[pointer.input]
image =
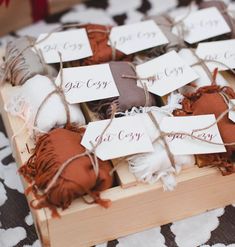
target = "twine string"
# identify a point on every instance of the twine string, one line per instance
(220, 117)
(203, 64)
(34, 43)
(59, 91)
(221, 63)
(143, 84)
(94, 160)
(193, 137)
(179, 25)
(162, 136)
(7, 66)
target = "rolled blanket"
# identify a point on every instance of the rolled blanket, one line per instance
(165, 23)
(28, 98)
(76, 179)
(22, 63)
(156, 165)
(213, 100)
(130, 94)
(98, 36)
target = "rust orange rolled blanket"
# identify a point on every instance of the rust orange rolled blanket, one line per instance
(98, 36)
(213, 100)
(77, 179)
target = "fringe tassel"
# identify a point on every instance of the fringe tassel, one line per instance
(155, 166)
(42, 167)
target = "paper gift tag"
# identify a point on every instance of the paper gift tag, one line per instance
(88, 83)
(125, 136)
(204, 78)
(231, 114)
(222, 51)
(203, 24)
(170, 70)
(181, 144)
(72, 44)
(137, 37)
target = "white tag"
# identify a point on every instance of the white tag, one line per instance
(88, 83)
(181, 144)
(170, 72)
(137, 37)
(125, 136)
(231, 114)
(72, 44)
(222, 51)
(204, 78)
(203, 24)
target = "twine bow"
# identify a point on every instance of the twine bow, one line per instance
(143, 84)
(94, 160)
(219, 118)
(162, 136)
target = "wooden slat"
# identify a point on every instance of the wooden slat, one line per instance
(126, 178)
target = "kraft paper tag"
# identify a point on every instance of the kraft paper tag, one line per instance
(222, 51)
(203, 24)
(231, 114)
(72, 44)
(170, 70)
(181, 144)
(136, 37)
(88, 83)
(125, 136)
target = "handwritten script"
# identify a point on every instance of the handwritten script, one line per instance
(121, 135)
(139, 35)
(202, 135)
(203, 24)
(165, 74)
(66, 46)
(90, 83)
(73, 45)
(124, 136)
(192, 134)
(227, 55)
(211, 23)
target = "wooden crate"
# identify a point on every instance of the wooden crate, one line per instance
(135, 206)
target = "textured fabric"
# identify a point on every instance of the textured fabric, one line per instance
(98, 36)
(77, 178)
(130, 94)
(210, 100)
(156, 165)
(210, 229)
(23, 63)
(25, 102)
(175, 42)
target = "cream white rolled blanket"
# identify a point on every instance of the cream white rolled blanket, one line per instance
(26, 100)
(156, 165)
